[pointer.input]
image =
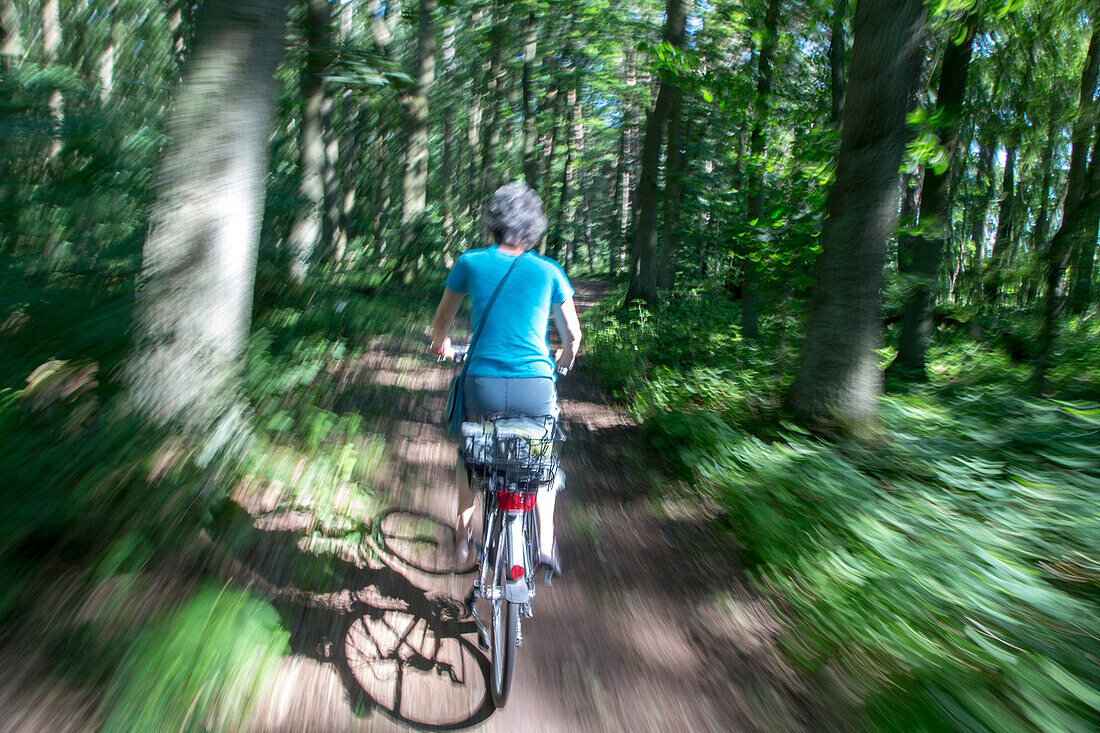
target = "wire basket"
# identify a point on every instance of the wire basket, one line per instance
(524, 452)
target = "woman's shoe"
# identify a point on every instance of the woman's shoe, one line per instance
(549, 565)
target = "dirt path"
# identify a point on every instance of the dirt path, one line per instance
(649, 630)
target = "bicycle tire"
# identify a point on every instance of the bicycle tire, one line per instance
(504, 631)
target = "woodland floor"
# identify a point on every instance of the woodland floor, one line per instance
(632, 638)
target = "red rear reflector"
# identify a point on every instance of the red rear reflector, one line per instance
(517, 572)
(512, 501)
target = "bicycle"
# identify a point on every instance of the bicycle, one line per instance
(509, 460)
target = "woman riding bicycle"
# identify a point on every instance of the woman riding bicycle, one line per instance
(511, 371)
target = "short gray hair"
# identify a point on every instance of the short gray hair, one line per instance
(515, 216)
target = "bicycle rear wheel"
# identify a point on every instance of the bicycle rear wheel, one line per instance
(504, 629)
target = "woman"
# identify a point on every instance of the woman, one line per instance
(511, 370)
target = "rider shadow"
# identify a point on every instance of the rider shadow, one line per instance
(397, 648)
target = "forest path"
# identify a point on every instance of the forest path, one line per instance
(631, 638)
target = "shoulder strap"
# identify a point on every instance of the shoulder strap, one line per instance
(485, 315)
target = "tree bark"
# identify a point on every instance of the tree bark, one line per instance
(926, 248)
(670, 229)
(1084, 250)
(11, 37)
(450, 150)
(11, 51)
(838, 375)
(1080, 294)
(530, 128)
(193, 307)
(306, 234)
(617, 212)
(51, 46)
(643, 245)
(494, 85)
(106, 70)
(750, 315)
(1078, 207)
(414, 182)
(994, 274)
(836, 59)
(1077, 222)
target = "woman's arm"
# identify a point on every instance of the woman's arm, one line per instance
(441, 324)
(569, 329)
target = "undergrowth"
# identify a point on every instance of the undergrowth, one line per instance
(94, 499)
(943, 575)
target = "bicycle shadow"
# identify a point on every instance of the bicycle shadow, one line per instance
(398, 648)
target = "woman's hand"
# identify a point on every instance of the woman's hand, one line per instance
(562, 362)
(445, 350)
(569, 329)
(441, 324)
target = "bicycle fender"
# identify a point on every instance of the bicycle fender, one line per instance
(516, 591)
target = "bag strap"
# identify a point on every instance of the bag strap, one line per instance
(485, 315)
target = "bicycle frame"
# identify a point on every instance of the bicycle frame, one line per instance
(510, 539)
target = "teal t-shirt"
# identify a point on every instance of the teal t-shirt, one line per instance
(514, 341)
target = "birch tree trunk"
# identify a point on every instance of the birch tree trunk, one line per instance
(193, 306)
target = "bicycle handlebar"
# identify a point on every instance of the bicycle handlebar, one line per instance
(460, 351)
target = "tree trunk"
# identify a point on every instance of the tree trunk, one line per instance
(1080, 294)
(1077, 223)
(836, 59)
(586, 218)
(1040, 231)
(347, 176)
(643, 245)
(1082, 197)
(616, 220)
(306, 233)
(106, 70)
(450, 152)
(670, 230)
(530, 128)
(750, 315)
(494, 85)
(562, 233)
(193, 308)
(926, 248)
(11, 37)
(414, 182)
(839, 375)
(628, 156)
(910, 219)
(994, 274)
(51, 46)
(11, 51)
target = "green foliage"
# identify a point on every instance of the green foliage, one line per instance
(949, 574)
(943, 576)
(682, 355)
(199, 668)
